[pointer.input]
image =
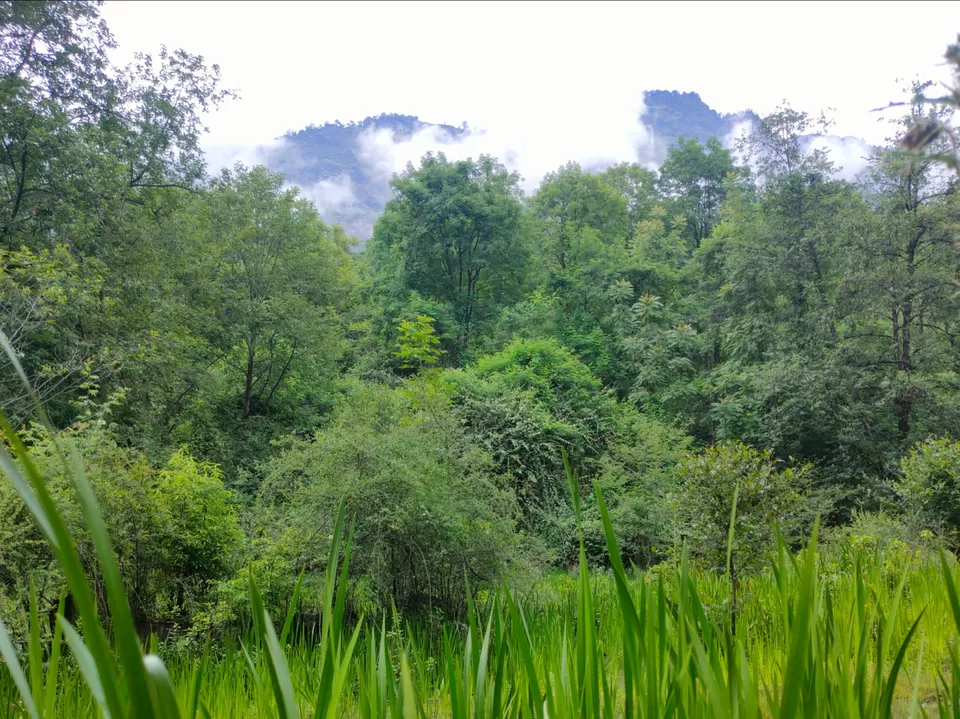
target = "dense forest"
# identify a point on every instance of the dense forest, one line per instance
(728, 350)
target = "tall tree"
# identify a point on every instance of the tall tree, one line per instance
(637, 185)
(907, 267)
(693, 176)
(92, 159)
(570, 203)
(453, 233)
(280, 278)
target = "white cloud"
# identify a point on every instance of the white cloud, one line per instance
(331, 196)
(850, 155)
(740, 130)
(531, 146)
(220, 155)
(548, 86)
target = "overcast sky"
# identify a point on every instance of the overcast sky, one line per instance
(497, 64)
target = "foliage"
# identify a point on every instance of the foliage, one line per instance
(199, 519)
(175, 530)
(496, 386)
(737, 492)
(769, 664)
(528, 404)
(694, 176)
(637, 476)
(418, 345)
(452, 233)
(424, 503)
(930, 487)
(44, 296)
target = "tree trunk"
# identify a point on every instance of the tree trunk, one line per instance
(248, 391)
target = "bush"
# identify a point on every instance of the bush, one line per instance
(636, 475)
(768, 494)
(527, 404)
(425, 506)
(174, 530)
(199, 535)
(882, 540)
(930, 488)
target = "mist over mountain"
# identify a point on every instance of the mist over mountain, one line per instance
(345, 168)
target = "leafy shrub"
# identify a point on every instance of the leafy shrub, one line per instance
(174, 530)
(527, 404)
(636, 476)
(426, 509)
(930, 487)
(199, 528)
(767, 494)
(885, 542)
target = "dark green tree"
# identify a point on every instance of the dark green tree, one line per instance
(693, 176)
(453, 233)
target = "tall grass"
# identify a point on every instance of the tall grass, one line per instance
(806, 641)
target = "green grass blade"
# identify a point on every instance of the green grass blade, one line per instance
(35, 652)
(886, 701)
(53, 665)
(276, 660)
(12, 661)
(166, 706)
(951, 589)
(86, 663)
(291, 610)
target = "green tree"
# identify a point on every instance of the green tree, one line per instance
(572, 207)
(775, 311)
(453, 233)
(906, 266)
(424, 502)
(63, 106)
(45, 297)
(94, 163)
(767, 495)
(199, 538)
(525, 406)
(637, 185)
(280, 275)
(418, 345)
(694, 177)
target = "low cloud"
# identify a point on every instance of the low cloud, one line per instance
(334, 195)
(740, 130)
(221, 156)
(530, 149)
(850, 155)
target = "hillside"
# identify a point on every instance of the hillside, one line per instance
(671, 114)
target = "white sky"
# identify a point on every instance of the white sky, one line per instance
(533, 65)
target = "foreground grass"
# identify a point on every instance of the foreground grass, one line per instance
(439, 657)
(846, 633)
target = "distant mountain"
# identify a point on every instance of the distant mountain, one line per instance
(336, 165)
(328, 164)
(671, 115)
(332, 150)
